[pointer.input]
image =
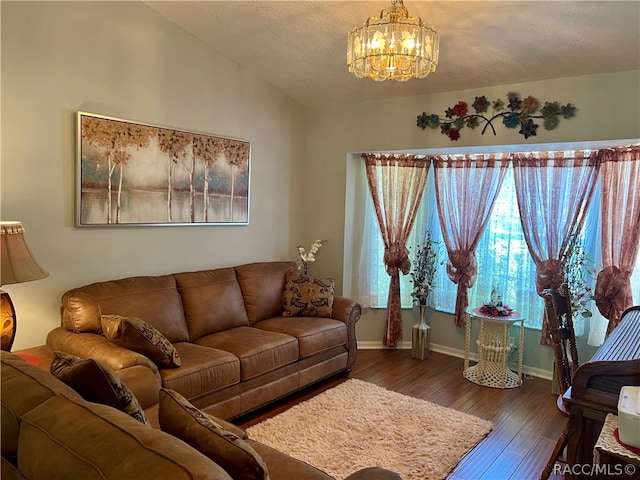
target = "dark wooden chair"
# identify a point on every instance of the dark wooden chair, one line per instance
(563, 340)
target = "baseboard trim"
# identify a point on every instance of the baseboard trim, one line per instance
(454, 352)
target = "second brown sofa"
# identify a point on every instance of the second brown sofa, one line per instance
(237, 351)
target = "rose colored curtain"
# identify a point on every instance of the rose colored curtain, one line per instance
(396, 183)
(466, 190)
(620, 171)
(554, 190)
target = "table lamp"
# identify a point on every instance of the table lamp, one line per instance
(17, 265)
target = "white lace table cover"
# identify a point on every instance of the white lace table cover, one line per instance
(607, 441)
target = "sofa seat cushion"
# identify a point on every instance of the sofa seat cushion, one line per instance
(103, 443)
(314, 334)
(259, 350)
(203, 370)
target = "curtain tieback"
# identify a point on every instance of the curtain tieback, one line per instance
(462, 268)
(396, 259)
(548, 275)
(612, 286)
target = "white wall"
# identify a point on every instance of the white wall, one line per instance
(124, 60)
(607, 106)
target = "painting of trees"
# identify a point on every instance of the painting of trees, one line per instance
(174, 145)
(115, 139)
(207, 150)
(237, 154)
(130, 173)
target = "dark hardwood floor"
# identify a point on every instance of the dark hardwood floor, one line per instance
(525, 419)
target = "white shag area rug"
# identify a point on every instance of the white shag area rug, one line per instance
(358, 424)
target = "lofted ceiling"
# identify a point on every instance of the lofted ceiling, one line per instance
(299, 47)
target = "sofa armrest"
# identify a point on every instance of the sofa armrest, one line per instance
(91, 345)
(138, 373)
(348, 311)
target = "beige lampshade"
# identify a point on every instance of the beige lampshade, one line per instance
(17, 263)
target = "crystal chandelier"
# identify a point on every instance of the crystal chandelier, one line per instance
(393, 46)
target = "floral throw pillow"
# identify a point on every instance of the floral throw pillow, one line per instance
(307, 296)
(96, 383)
(137, 335)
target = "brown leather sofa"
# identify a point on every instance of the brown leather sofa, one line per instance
(237, 351)
(49, 431)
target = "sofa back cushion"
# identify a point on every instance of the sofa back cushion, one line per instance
(89, 441)
(24, 387)
(154, 299)
(262, 287)
(212, 301)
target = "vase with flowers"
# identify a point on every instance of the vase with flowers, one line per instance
(496, 307)
(308, 257)
(424, 269)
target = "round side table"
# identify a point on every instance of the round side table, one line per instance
(494, 347)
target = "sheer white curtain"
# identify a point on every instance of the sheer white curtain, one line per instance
(373, 280)
(593, 245)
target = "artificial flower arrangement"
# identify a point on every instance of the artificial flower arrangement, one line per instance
(495, 307)
(424, 269)
(310, 256)
(516, 112)
(577, 272)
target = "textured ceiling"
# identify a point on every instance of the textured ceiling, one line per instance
(300, 46)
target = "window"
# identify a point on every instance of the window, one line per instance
(503, 262)
(502, 256)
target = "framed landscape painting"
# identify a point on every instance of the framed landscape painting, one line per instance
(135, 174)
